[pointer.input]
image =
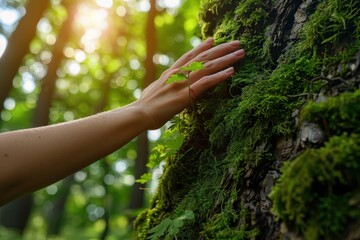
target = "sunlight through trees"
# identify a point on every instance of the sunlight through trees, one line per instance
(85, 57)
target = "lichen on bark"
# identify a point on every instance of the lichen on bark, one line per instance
(272, 153)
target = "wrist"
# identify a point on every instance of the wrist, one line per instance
(144, 113)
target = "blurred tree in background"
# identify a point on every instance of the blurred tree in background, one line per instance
(65, 59)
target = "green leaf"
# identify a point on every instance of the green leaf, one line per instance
(194, 66)
(171, 227)
(169, 143)
(177, 77)
(175, 142)
(144, 178)
(178, 222)
(160, 229)
(187, 215)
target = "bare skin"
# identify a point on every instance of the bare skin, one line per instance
(34, 158)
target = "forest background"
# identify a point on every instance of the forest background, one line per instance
(62, 60)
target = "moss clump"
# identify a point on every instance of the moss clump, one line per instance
(316, 194)
(212, 13)
(336, 115)
(334, 28)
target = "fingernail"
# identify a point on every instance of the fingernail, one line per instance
(230, 70)
(240, 52)
(209, 40)
(235, 43)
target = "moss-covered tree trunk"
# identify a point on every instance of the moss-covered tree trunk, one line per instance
(274, 153)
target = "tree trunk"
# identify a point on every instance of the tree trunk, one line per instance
(55, 217)
(15, 214)
(41, 116)
(275, 151)
(18, 45)
(137, 194)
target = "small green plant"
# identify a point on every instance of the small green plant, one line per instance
(169, 143)
(144, 178)
(177, 77)
(170, 227)
(172, 139)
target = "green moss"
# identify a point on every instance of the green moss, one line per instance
(225, 224)
(336, 115)
(336, 23)
(212, 14)
(314, 193)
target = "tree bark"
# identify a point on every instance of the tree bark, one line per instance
(269, 153)
(137, 194)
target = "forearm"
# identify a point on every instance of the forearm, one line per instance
(33, 158)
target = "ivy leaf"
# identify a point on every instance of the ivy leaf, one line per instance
(144, 178)
(177, 77)
(194, 66)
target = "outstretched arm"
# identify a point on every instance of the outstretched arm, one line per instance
(34, 158)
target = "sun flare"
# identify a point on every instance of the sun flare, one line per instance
(93, 21)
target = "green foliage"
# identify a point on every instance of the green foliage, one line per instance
(177, 77)
(144, 178)
(168, 145)
(193, 67)
(7, 234)
(171, 227)
(314, 193)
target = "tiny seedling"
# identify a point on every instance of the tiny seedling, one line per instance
(177, 77)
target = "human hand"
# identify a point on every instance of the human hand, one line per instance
(161, 101)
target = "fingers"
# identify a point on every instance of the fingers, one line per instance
(187, 57)
(210, 81)
(167, 74)
(216, 52)
(218, 58)
(217, 64)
